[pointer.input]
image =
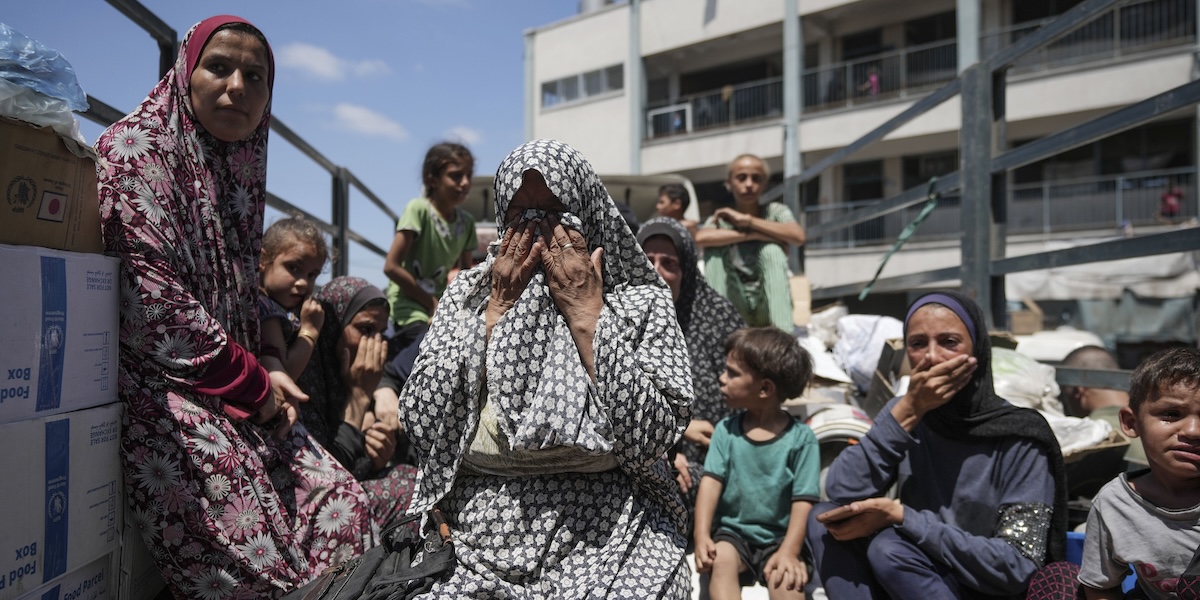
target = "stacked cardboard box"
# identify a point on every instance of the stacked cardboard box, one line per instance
(60, 422)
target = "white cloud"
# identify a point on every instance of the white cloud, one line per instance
(361, 119)
(323, 64)
(368, 68)
(466, 135)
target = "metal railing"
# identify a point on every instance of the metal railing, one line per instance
(880, 77)
(728, 106)
(985, 172)
(342, 179)
(1111, 203)
(1133, 28)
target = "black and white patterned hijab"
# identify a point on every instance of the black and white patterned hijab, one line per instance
(536, 386)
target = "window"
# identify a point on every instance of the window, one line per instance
(593, 83)
(578, 87)
(919, 169)
(928, 30)
(550, 95)
(1024, 11)
(616, 78)
(569, 88)
(863, 181)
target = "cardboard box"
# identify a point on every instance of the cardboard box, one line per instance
(62, 502)
(49, 187)
(1025, 322)
(137, 576)
(94, 581)
(893, 364)
(801, 299)
(58, 332)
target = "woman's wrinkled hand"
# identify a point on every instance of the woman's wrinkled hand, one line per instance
(518, 257)
(682, 476)
(381, 441)
(862, 518)
(573, 274)
(365, 369)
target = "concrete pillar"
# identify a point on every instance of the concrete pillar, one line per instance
(967, 13)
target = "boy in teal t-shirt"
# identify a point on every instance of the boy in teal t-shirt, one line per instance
(762, 472)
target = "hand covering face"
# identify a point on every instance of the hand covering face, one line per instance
(535, 384)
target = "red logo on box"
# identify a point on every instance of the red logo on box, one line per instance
(53, 207)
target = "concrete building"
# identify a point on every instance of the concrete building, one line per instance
(707, 84)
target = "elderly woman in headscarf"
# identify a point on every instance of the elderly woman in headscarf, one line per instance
(552, 383)
(341, 379)
(232, 500)
(706, 319)
(981, 502)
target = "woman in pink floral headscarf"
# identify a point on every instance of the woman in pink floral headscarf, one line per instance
(231, 498)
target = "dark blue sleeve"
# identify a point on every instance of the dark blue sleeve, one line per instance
(994, 565)
(869, 468)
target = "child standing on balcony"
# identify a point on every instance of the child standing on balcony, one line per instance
(433, 236)
(745, 247)
(293, 255)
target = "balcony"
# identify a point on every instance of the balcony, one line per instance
(1108, 203)
(726, 107)
(895, 74)
(1135, 28)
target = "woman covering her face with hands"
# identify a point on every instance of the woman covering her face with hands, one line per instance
(231, 498)
(341, 379)
(553, 380)
(981, 502)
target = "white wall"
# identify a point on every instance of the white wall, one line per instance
(1087, 90)
(1103, 87)
(712, 150)
(597, 40)
(597, 128)
(669, 24)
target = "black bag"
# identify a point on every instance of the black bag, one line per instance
(387, 572)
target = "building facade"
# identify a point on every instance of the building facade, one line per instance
(706, 84)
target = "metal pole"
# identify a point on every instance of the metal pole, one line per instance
(1001, 183)
(1120, 207)
(1196, 112)
(793, 51)
(341, 221)
(1045, 210)
(637, 104)
(975, 153)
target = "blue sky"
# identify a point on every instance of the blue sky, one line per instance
(371, 84)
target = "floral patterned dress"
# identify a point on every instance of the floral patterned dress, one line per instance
(227, 510)
(539, 529)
